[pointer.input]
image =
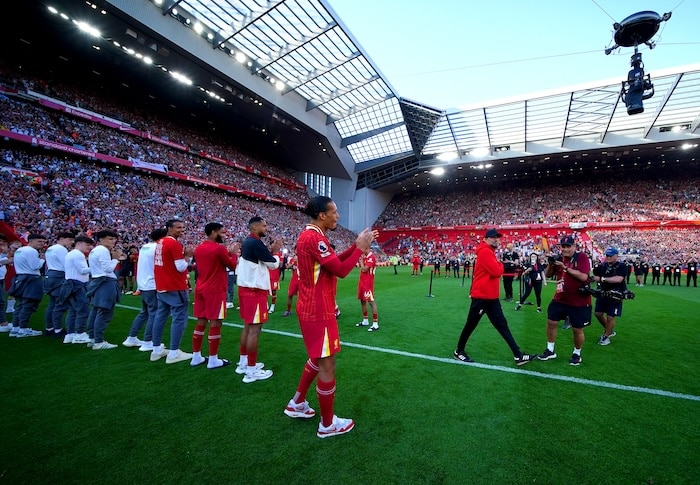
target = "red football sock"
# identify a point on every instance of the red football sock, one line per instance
(326, 395)
(197, 337)
(252, 358)
(214, 340)
(374, 318)
(307, 377)
(364, 315)
(242, 350)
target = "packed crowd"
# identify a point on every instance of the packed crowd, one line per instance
(83, 197)
(138, 115)
(588, 201)
(652, 245)
(29, 119)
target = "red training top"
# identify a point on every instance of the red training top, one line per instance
(487, 273)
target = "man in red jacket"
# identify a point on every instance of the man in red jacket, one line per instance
(485, 294)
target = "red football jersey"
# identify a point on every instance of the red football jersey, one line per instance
(212, 261)
(369, 261)
(168, 278)
(317, 286)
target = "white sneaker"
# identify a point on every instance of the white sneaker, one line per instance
(229, 304)
(81, 338)
(299, 410)
(5, 328)
(68, 339)
(338, 426)
(146, 346)
(28, 332)
(104, 346)
(13, 332)
(91, 343)
(132, 342)
(256, 375)
(243, 368)
(158, 353)
(179, 356)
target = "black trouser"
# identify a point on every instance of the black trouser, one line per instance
(667, 277)
(508, 287)
(691, 276)
(656, 277)
(677, 279)
(537, 286)
(645, 277)
(493, 310)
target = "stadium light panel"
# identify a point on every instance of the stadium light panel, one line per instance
(88, 29)
(52, 10)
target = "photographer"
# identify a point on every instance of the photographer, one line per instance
(534, 278)
(510, 260)
(610, 276)
(571, 270)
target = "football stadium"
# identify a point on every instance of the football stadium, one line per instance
(217, 138)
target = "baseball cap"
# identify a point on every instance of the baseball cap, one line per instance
(567, 241)
(493, 233)
(611, 251)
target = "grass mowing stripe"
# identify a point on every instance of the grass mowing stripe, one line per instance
(577, 380)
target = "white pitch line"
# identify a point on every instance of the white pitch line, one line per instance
(512, 370)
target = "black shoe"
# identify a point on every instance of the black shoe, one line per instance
(461, 356)
(547, 355)
(524, 359)
(575, 359)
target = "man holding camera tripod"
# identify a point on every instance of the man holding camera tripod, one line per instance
(611, 276)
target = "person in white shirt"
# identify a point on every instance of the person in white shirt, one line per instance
(72, 293)
(4, 261)
(103, 289)
(55, 276)
(146, 283)
(27, 287)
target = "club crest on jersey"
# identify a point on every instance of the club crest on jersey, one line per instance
(323, 249)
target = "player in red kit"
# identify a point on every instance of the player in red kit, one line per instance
(275, 283)
(415, 263)
(293, 286)
(319, 267)
(365, 290)
(213, 261)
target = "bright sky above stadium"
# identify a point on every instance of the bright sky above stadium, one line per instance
(452, 53)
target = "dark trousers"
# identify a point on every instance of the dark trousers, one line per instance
(656, 277)
(693, 277)
(508, 287)
(667, 277)
(493, 310)
(537, 286)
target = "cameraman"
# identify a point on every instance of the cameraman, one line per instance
(534, 278)
(610, 276)
(571, 271)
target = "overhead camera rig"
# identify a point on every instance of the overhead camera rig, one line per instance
(638, 28)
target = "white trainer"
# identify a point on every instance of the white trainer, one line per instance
(158, 353)
(257, 375)
(68, 339)
(242, 369)
(178, 356)
(132, 342)
(338, 426)
(28, 332)
(5, 328)
(104, 346)
(146, 346)
(299, 410)
(81, 338)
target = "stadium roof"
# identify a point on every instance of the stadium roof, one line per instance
(297, 60)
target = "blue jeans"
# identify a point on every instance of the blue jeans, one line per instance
(78, 309)
(97, 322)
(3, 304)
(175, 303)
(52, 283)
(231, 290)
(149, 307)
(24, 309)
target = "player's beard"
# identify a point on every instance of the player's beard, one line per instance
(220, 239)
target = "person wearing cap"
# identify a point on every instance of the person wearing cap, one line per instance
(571, 273)
(610, 276)
(485, 294)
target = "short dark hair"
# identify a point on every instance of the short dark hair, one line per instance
(157, 234)
(35, 235)
(317, 205)
(171, 222)
(65, 234)
(84, 239)
(211, 227)
(255, 220)
(105, 233)
(3, 237)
